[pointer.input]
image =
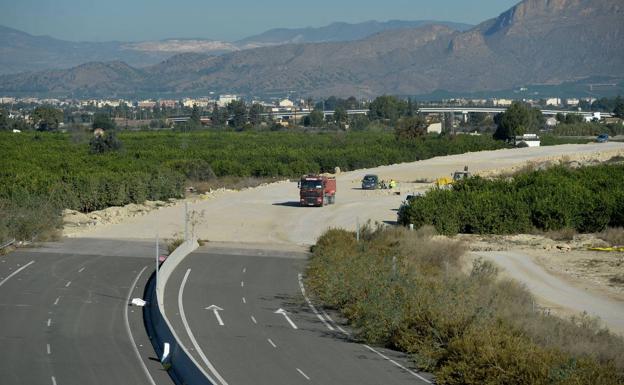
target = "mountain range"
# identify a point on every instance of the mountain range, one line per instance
(535, 42)
(20, 51)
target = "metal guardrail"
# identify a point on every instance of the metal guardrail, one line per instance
(9, 243)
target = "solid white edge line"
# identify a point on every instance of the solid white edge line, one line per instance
(312, 306)
(16, 272)
(190, 332)
(129, 331)
(397, 364)
(331, 321)
(303, 374)
(272, 343)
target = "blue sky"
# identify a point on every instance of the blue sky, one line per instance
(134, 20)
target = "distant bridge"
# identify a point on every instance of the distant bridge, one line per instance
(424, 110)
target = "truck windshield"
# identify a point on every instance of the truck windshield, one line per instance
(311, 184)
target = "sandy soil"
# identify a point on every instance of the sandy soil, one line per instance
(270, 215)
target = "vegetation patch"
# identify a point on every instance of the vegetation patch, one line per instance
(405, 290)
(587, 200)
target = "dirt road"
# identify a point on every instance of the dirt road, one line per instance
(270, 214)
(552, 292)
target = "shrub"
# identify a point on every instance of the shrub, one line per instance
(404, 290)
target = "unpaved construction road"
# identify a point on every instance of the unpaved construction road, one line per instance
(271, 215)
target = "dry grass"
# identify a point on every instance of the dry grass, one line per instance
(173, 244)
(613, 235)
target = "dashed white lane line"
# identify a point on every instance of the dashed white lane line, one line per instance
(81, 270)
(53, 380)
(129, 331)
(198, 349)
(253, 319)
(16, 272)
(244, 270)
(303, 374)
(312, 306)
(48, 349)
(68, 284)
(242, 283)
(244, 300)
(397, 364)
(56, 301)
(49, 322)
(272, 343)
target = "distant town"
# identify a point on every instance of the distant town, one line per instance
(237, 111)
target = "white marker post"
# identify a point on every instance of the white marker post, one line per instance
(216, 309)
(285, 314)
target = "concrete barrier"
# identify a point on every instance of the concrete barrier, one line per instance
(181, 365)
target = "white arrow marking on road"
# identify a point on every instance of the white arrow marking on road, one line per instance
(285, 314)
(216, 309)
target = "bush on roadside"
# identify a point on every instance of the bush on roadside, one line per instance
(406, 290)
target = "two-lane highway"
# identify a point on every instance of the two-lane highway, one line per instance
(65, 319)
(243, 316)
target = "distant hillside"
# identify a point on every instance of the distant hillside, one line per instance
(535, 42)
(337, 32)
(20, 51)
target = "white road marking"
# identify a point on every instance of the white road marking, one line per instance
(253, 319)
(216, 309)
(81, 270)
(49, 321)
(68, 283)
(244, 300)
(190, 332)
(48, 349)
(53, 380)
(56, 301)
(397, 364)
(272, 343)
(312, 306)
(283, 312)
(16, 272)
(242, 284)
(129, 331)
(303, 374)
(244, 270)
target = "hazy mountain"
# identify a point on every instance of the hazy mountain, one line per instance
(20, 51)
(337, 32)
(535, 42)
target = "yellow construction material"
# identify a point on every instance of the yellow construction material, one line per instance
(616, 249)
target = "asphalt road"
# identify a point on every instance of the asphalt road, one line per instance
(64, 317)
(247, 342)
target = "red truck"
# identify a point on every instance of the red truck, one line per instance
(317, 190)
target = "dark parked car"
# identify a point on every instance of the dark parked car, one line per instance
(370, 182)
(602, 138)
